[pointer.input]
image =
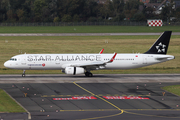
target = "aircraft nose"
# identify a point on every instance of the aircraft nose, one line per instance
(6, 64)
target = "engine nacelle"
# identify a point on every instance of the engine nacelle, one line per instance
(74, 70)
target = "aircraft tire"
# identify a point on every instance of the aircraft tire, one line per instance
(88, 74)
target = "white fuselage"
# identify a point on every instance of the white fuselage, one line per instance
(61, 61)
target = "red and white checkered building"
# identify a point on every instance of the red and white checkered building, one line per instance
(154, 22)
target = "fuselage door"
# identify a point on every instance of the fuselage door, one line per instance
(57, 62)
(144, 60)
(23, 60)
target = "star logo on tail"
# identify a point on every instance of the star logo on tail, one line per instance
(161, 48)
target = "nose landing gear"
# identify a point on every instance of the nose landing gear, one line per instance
(23, 75)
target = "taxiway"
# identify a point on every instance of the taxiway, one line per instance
(97, 78)
(118, 96)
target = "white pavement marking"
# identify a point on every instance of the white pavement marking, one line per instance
(98, 78)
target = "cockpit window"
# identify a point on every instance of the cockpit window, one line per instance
(13, 59)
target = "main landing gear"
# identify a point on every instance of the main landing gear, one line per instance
(23, 75)
(88, 74)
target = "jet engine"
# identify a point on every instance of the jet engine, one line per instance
(74, 70)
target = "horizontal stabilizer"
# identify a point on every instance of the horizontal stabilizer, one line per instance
(167, 57)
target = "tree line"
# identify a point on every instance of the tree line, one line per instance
(80, 11)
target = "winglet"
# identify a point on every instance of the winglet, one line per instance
(112, 59)
(101, 51)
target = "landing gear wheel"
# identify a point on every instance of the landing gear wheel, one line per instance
(88, 74)
(23, 75)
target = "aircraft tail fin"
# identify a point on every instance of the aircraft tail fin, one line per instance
(161, 45)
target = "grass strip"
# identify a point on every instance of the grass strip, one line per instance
(86, 29)
(8, 105)
(175, 89)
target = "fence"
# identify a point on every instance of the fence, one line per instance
(87, 24)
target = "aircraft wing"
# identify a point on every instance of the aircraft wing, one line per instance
(88, 64)
(93, 65)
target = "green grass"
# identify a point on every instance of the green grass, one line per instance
(11, 46)
(145, 70)
(175, 89)
(86, 29)
(8, 105)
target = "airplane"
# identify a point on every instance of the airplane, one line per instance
(74, 64)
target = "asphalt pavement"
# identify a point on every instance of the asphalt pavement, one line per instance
(94, 100)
